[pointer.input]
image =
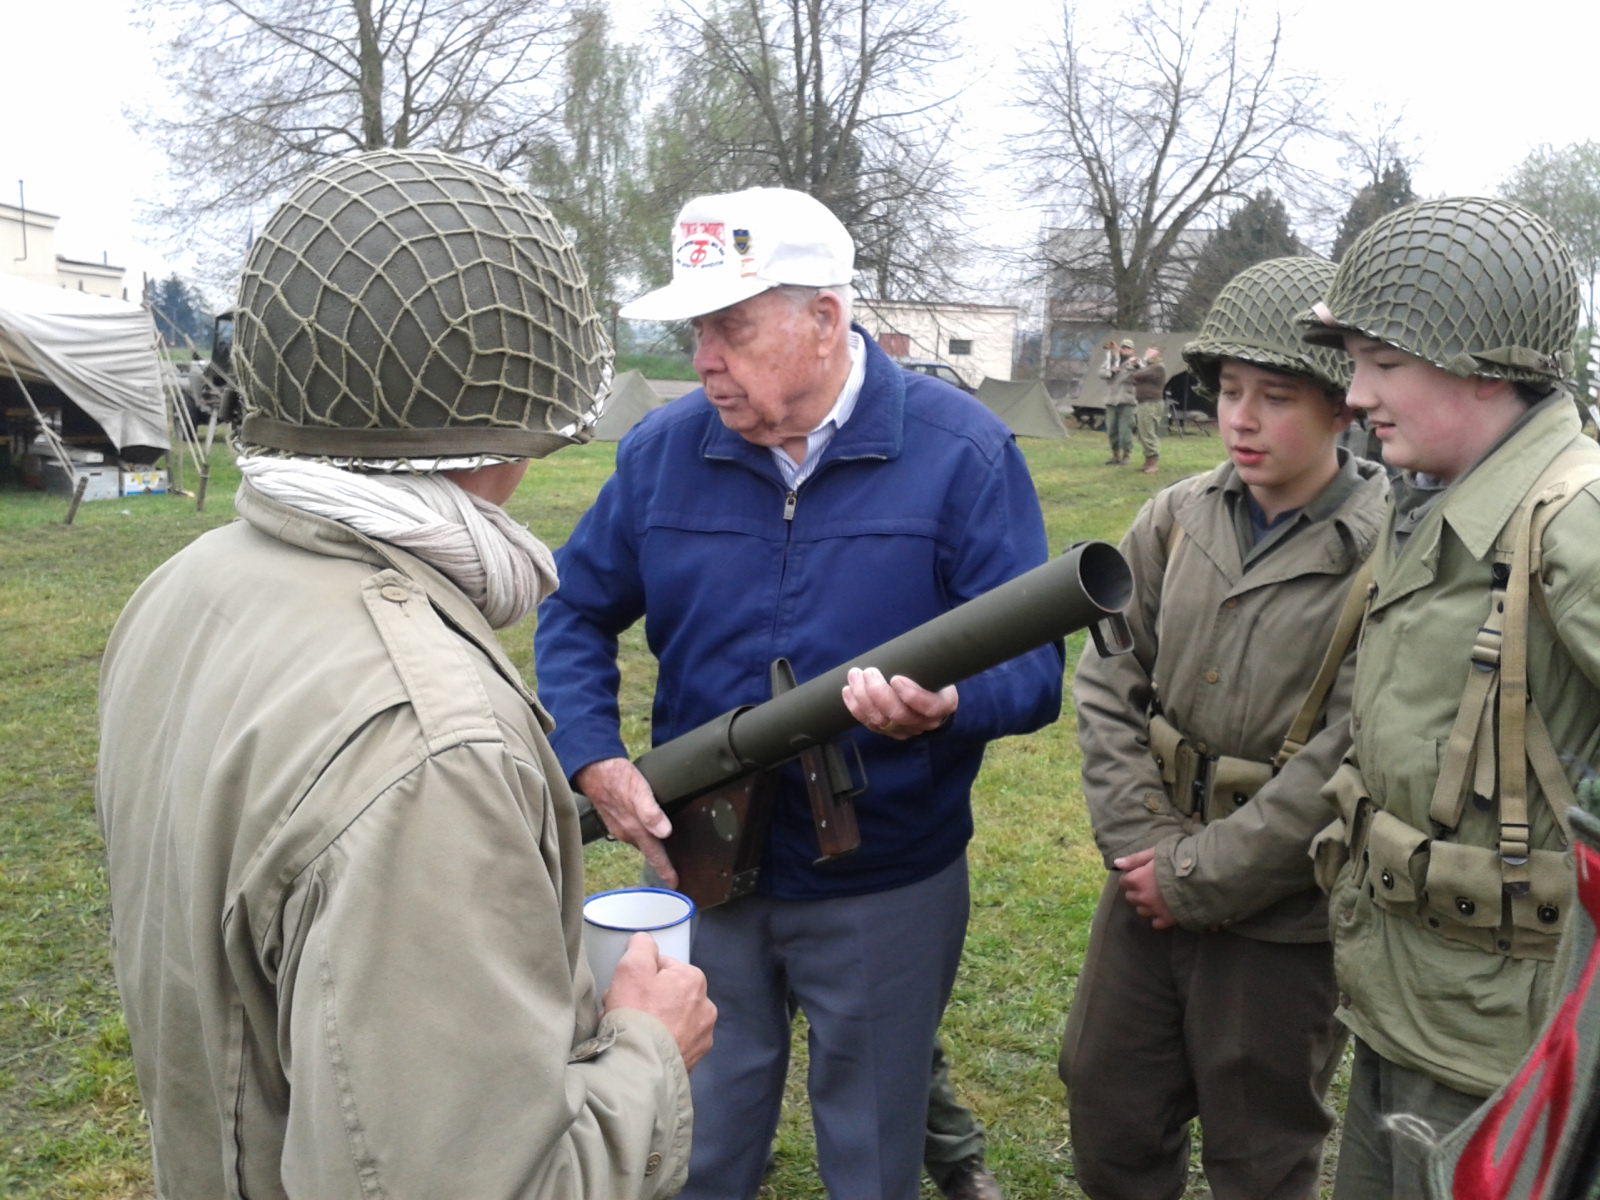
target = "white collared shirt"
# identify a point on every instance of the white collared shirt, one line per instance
(796, 473)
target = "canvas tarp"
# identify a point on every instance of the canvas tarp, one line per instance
(1092, 392)
(630, 397)
(101, 353)
(1024, 405)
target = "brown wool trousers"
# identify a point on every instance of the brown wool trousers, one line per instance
(1169, 1026)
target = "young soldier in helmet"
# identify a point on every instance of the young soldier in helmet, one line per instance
(1478, 681)
(344, 863)
(1207, 989)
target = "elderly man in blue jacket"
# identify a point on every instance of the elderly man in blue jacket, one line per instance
(809, 501)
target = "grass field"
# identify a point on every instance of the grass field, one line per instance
(70, 1119)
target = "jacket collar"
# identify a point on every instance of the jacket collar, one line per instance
(1478, 505)
(1332, 548)
(875, 430)
(318, 535)
(1499, 482)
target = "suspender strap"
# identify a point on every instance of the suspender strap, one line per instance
(1474, 719)
(1498, 733)
(1514, 831)
(1344, 633)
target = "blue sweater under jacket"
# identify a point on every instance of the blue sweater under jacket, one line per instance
(921, 501)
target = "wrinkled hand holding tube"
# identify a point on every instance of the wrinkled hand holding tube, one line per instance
(898, 707)
(629, 809)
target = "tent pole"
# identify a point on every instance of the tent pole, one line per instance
(77, 498)
(205, 465)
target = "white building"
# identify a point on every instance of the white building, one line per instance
(976, 339)
(28, 249)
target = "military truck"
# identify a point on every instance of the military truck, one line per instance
(211, 385)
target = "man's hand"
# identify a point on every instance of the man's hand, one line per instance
(671, 991)
(898, 707)
(624, 801)
(1140, 888)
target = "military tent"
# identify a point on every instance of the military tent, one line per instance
(1025, 407)
(101, 354)
(630, 397)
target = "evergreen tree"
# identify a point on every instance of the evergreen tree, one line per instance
(1254, 232)
(1378, 198)
(180, 313)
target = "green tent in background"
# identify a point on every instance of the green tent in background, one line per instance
(629, 399)
(1025, 407)
(1093, 391)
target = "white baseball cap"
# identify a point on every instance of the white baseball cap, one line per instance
(729, 247)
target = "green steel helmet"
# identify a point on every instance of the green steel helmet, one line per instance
(409, 310)
(1253, 320)
(1473, 285)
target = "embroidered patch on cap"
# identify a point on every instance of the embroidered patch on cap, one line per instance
(701, 244)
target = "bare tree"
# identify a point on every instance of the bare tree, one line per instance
(829, 97)
(267, 89)
(1141, 135)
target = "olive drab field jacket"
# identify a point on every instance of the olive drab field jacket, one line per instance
(346, 882)
(1228, 655)
(1442, 967)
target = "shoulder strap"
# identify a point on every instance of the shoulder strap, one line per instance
(1497, 685)
(1344, 635)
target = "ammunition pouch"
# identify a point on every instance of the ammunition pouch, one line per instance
(1330, 850)
(1456, 891)
(1205, 787)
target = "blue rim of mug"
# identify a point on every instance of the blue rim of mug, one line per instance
(638, 928)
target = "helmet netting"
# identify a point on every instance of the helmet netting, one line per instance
(1253, 320)
(1473, 285)
(412, 305)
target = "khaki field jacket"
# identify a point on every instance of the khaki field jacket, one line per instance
(345, 887)
(1419, 995)
(1229, 655)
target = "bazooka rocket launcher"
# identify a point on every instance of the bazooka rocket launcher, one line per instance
(715, 782)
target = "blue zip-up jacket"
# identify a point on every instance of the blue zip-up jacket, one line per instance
(920, 502)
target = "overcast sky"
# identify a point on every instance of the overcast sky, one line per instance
(1477, 90)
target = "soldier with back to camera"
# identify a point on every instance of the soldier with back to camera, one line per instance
(345, 866)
